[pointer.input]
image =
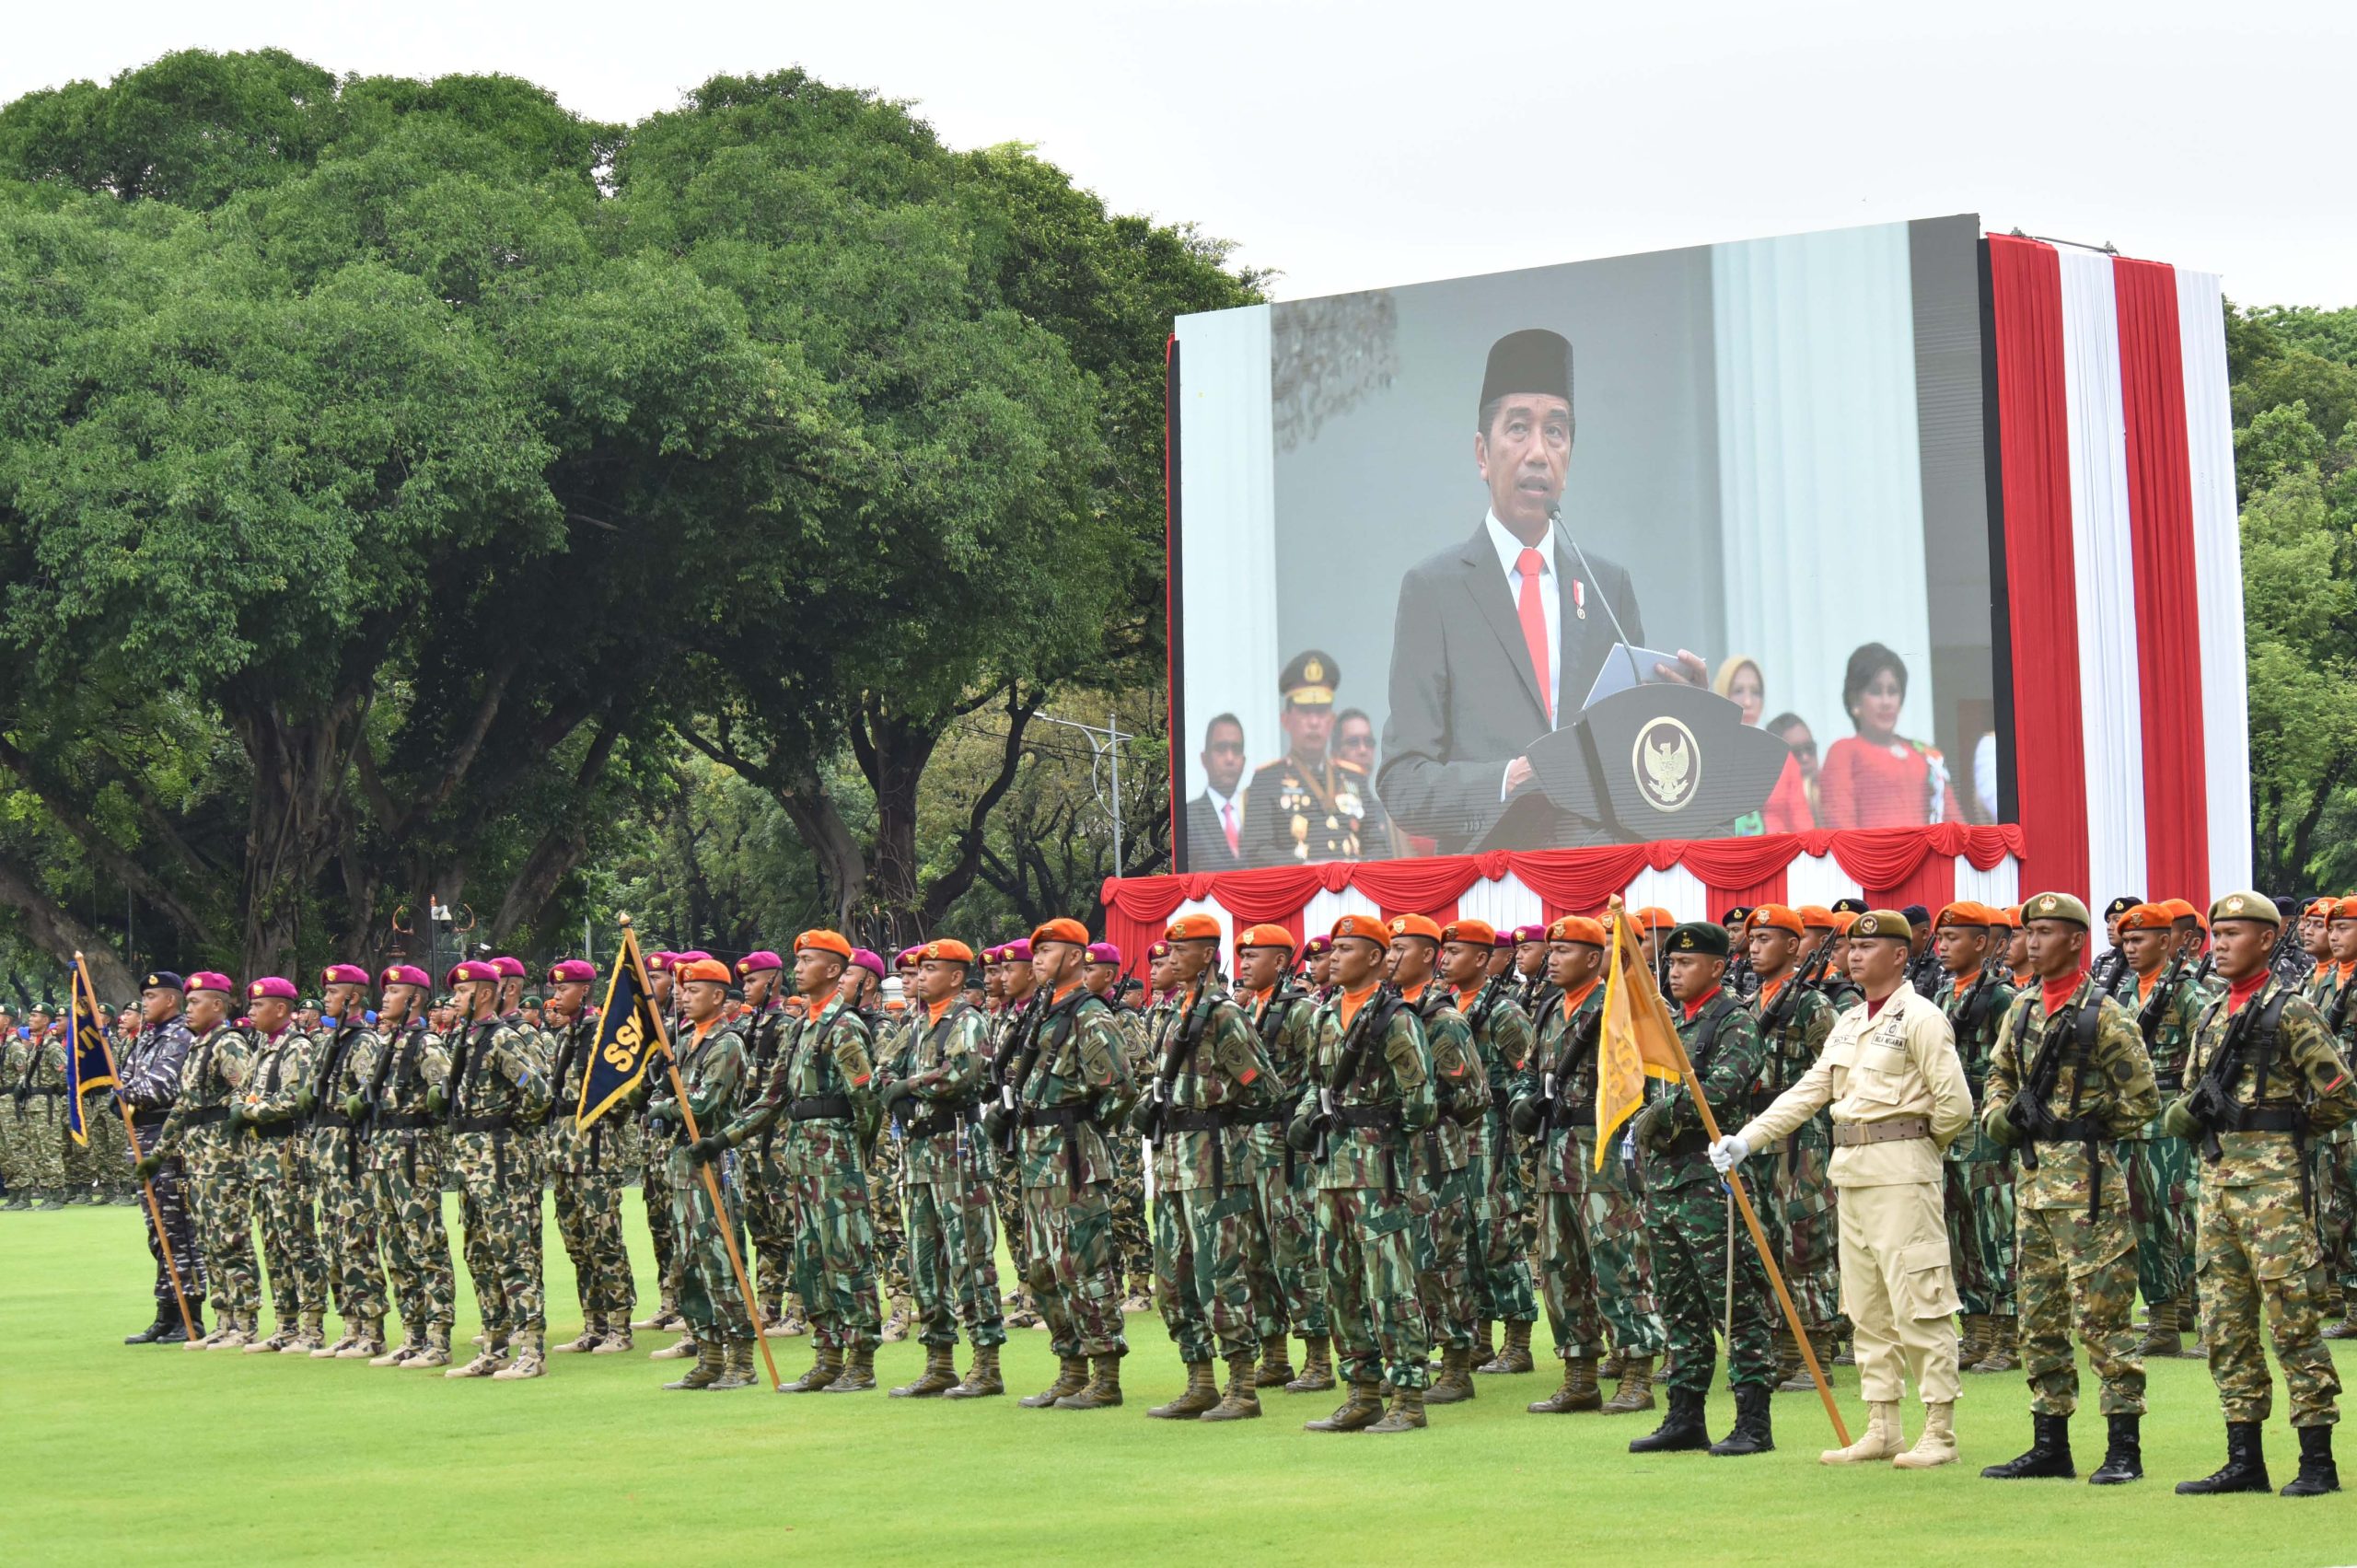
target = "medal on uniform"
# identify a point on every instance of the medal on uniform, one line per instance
(1579, 598)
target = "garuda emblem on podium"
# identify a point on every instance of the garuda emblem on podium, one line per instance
(1668, 764)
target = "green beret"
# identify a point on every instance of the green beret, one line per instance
(1882, 923)
(1701, 937)
(2245, 906)
(2055, 906)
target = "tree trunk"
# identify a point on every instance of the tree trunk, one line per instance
(561, 847)
(294, 824)
(54, 931)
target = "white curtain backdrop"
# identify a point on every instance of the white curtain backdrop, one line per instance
(2106, 574)
(1677, 890)
(1819, 879)
(1227, 532)
(2217, 558)
(1323, 910)
(1999, 887)
(1505, 903)
(1820, 482)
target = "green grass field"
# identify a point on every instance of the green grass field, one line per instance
(136, 1455)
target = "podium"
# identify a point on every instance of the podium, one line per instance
(1662, 761)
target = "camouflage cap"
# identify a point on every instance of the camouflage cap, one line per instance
(2055, 906)
(1701, 937)
(2245, 906)
(1882, 923)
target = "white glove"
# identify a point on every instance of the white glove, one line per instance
(1728, 1153)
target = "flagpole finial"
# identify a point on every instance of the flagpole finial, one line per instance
(78, 955)
(622, 920)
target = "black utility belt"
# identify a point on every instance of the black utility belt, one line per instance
(2256, 1118)
(1382, 1118)
(825, 1107)
(207, 1116)
(1691, 1144)
(1576, 1115)
(273, 1130)
(47, 1094)
(483, 1124)
(1053, 1116)
(2079, 1132)
(2171, 1084)
(941, 1121)
(405, 1121)
(334, 1121)
(1220, 1120)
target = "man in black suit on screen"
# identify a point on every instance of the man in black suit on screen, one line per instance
(1215, 817)
(1499, 638)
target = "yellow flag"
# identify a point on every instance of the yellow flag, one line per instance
(1637, 1041)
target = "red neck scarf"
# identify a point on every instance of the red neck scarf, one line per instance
(2058, 990)
(2241, 991)
(1700, 1003)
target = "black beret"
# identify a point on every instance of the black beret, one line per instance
(1701, 937)
(163, 979)
(1532, 360)
(1849, 906)
(2120, 905)
(1917, 917)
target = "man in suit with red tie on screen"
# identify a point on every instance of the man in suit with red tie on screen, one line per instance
(1499, 638)
(1215, 817)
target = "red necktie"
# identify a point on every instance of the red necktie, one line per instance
(1227, 822)
(1533, 626)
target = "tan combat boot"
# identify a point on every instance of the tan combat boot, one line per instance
(1579, 1392)
(415, 1344)
(1361, 1410)
(530, 1360)
(2004, 1337)
(1455, 1383)
(617, 1338)
(237, 1332)
(678, 1350)
(666, 1313)
(2162, 1338)
(1071, 1376)
(825, 1367)
(773, 1321)
(1317, 1366)
(1276, 1364)
(982, 1380)
(1102, 1391)
(366, 1345)
(1513, 1357)
(1484, 1343)
(592, 1335)
(437, 1351)
(1406, 1414)
(1636, 1391)
(940, 1374)
(858, 1374)
(1202, 1393)
(278, 1338)
(736, 1364)
(341, 1343)
(896, 1325)
(1242, 1401)
(1936, 1447)
(710, 1362)
(1882, 1439)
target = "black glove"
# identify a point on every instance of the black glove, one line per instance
(1524, 1116)
(994, 1123)
(709, 1147)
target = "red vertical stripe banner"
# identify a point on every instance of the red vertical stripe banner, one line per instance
(2168, 602)
(2034, 446)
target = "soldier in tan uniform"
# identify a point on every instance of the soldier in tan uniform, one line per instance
(1889, 1070)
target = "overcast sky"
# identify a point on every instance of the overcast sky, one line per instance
(1363, 143)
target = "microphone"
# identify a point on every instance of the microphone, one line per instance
(1555, 515)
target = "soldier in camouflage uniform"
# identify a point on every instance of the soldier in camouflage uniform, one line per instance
(760, 1180)
(148, 1067)
(2263, 1074)
(39, 1089)
(1318, 967)
(1446, 1190)
(2333, 1156)
(1368, 1096)
(1796, 1210)
(1978, 1198)
(15, 1048)
(1595, 1263)
(931, 1087)
(1065, 1081)
(1209, 1087)
(1131, 1240)
(275, 1110)
(2167, 1000)
(2068, 1078)
(1010, 969)
(1497, 1250)
(350, 1248)
(653, 1185)
(863, 983)
(400, 1065)
(1688, 1207)
(1285, 1019)
(821, 1099)
(198, 1130)
(496, 1087)
(587, 1170)
(710, 1074)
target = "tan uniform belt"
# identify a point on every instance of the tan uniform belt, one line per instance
(1892, 1130)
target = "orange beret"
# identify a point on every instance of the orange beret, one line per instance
(1063, 928)
(834, 942)
(2344, 909)
(1969, 913)
(1265, 936)
(2320, 906)
(947, 947)
(1577, 928)
(1815, 917)
(1361, 926)
(1843, 921)
(1421, 925)
(1778, 917)
(1480, 933)
(2013, 914)
(2145, 917)
(1653, 917)
(703, 969)
(1196, 927)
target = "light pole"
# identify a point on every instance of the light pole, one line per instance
(1104, 744)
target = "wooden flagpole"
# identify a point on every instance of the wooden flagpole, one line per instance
(155, 1213)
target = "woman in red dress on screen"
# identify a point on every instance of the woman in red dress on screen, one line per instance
(1875, 778)
(1787, 810)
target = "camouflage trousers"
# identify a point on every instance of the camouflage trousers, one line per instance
(589, 1221)
(1808, 1235)
(768, 1221)
(225, 1220)
(500, 1202)
(1447, 1214)
(88, 1172)
(40, 1141)
(1596, 1266)
(1691, 1263)
(1976, 1201)
(1135, 1250)
(2078, 1273)
(1498, 1249)
(1366, 1241)
(170, 1186)
(2333, 1171)
(1288, 1203)
(1210, 1251)
(953, 1258)
(408, 1189)
(709, 1298)
(834, 1256)
(883, 1183)
(352, 1248)
(1070, 1267)
(1007, 1196)
(2258, 1251)
(108, 1153)
(2160, 1211)
(278, 1172)
(654, 1194)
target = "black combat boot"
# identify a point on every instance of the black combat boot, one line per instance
(2244, 1469)
(1752, 1433)
(153, 1332)
(2317, 1474)
(176, 1332)
(1681, 1431)
(2123, 1456)
(2050, 1452)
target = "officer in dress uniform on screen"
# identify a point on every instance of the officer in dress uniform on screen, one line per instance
(1307, 805)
